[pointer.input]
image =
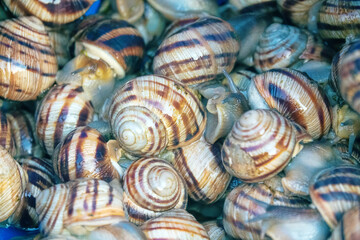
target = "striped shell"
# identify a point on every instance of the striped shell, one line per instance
(250, 6)
(201, 167)
(294, 95)
(348, 228)
(259, 146)
(79, 207)
(27, 60)
(64, 108)
(215, 230)
(13, 180)
(41, 176)
(84, 154)
(152, 186)
(338, 20)
(116, 42)
(197, 52)
(175, 224)
(151, 112)
(58, 12)
(248, 201)
(118, 231)
(334, 191)
(7, 140)
(347, 72)
(297, 11)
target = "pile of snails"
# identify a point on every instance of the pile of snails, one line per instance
(193, 119)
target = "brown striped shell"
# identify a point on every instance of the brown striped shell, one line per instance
(78, 207)
(7, 140)
(201, 167)
(84, 154)
(41, 176)
(334, 191)
(27, 60)
(348, 228)
(58, 12)
(64, 108)
(175, 224)
(118, 231)
(294, 95)
(259, 146)
(151, 187)
(215, 230)
(116, 42)
(197, 52)
(151, 112)
(13, 180)
(249, 201)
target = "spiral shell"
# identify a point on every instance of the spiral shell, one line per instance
(197, 52)
(79, 207)
(297, 11)
(177, 224)
(59, 12)
(13, 181)
(6, 137)
(294, 96)
(152, 186)
(248, 201)
(334, 191)
(348, 228)
(214, 230)
(151, 112)
(200, 165)
(259, 146)
(64, 108)
(84, 154)
(118, 231)
(27, 60)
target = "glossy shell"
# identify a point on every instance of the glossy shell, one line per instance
(348, 228)
(334, 191)
(297, 11)
(292, 94)
(151, 112)
(27, 60)
(84, 154)
(259, 146)
(64, 108)
(152, 186)
(214, 230)
(197, 52)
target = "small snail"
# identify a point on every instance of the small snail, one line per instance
(345, 121)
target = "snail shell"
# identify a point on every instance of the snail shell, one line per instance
(242, 80)
(247, 201)
(118, 231)
(334, 191)
(259, 146)
(152, 186)
(294, 96)
(348, 228)
(78, 207)
(214, 230)
(59, 12)
(13, 180)
(130, 10)
(345, 121)
(151, 112)
(176, 224)
(259, 6)
(200, 165)
(197, 52)
(6, 137)
(84, 154)
(28, 62)
(64, 108)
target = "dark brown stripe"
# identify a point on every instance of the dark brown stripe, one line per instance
(94, 201)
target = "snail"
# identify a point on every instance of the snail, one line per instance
(294, 95)
(177, 224)
(348, 228)
(334, 191)
(118, 231)
(345, 121)
(59, 12)
(130, 11)
(28, 62)
(201, 167)
(7, 140)
(151, 113)
(214, 230)
(84, 153)
(151, 187)
(197, 52)
(78, 207)
(64, 108)
(260, 145)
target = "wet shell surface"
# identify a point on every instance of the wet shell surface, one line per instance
(176, 224)
(294, 95)
(151, 112)
(64, 108)
(28, 63)
(334, 191)
(152, 186)
(197, 52)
